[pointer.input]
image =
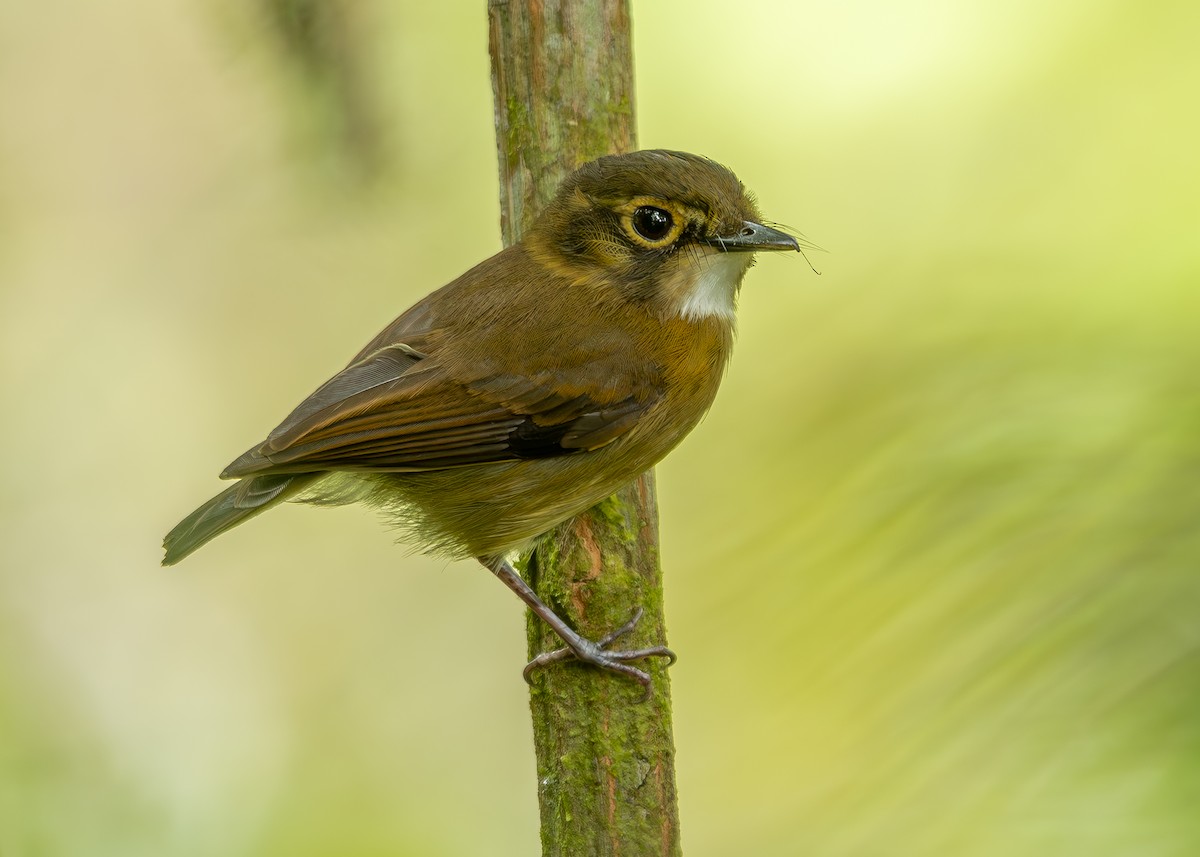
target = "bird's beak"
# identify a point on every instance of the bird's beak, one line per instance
(753, 237)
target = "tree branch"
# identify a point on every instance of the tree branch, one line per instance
(562, 77)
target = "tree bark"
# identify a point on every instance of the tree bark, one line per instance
(562, 77)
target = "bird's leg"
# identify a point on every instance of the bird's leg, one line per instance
(596, 653)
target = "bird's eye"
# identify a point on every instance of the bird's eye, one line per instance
(652, 223)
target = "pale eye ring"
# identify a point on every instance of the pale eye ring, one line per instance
(653, 224)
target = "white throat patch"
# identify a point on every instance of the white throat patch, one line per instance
(714, 291)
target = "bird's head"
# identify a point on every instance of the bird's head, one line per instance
(671, 230)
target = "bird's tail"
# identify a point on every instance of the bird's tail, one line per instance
(235, 504)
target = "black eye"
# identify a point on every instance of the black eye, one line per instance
(652, 223)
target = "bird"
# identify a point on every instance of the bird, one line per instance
(533, 386)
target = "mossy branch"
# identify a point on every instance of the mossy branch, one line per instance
(562, 77)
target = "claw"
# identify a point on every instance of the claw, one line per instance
(597, 654)
(589, 652)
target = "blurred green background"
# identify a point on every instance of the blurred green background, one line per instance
(931, 561)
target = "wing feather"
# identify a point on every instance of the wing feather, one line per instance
(426, 393)
(398, 409)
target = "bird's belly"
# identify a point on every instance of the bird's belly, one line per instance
(495, 509)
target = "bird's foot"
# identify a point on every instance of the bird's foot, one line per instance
(599, 655)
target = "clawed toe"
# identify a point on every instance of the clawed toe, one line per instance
(599, 655)
(579, 648)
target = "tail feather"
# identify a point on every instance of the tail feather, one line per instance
(235, 504)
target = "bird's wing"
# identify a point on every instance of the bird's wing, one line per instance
(398, 409)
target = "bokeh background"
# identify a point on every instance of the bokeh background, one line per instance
(931, 560)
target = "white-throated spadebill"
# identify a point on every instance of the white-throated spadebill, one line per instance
(534, 385)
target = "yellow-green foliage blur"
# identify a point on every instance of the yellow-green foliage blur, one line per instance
(932, 561)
